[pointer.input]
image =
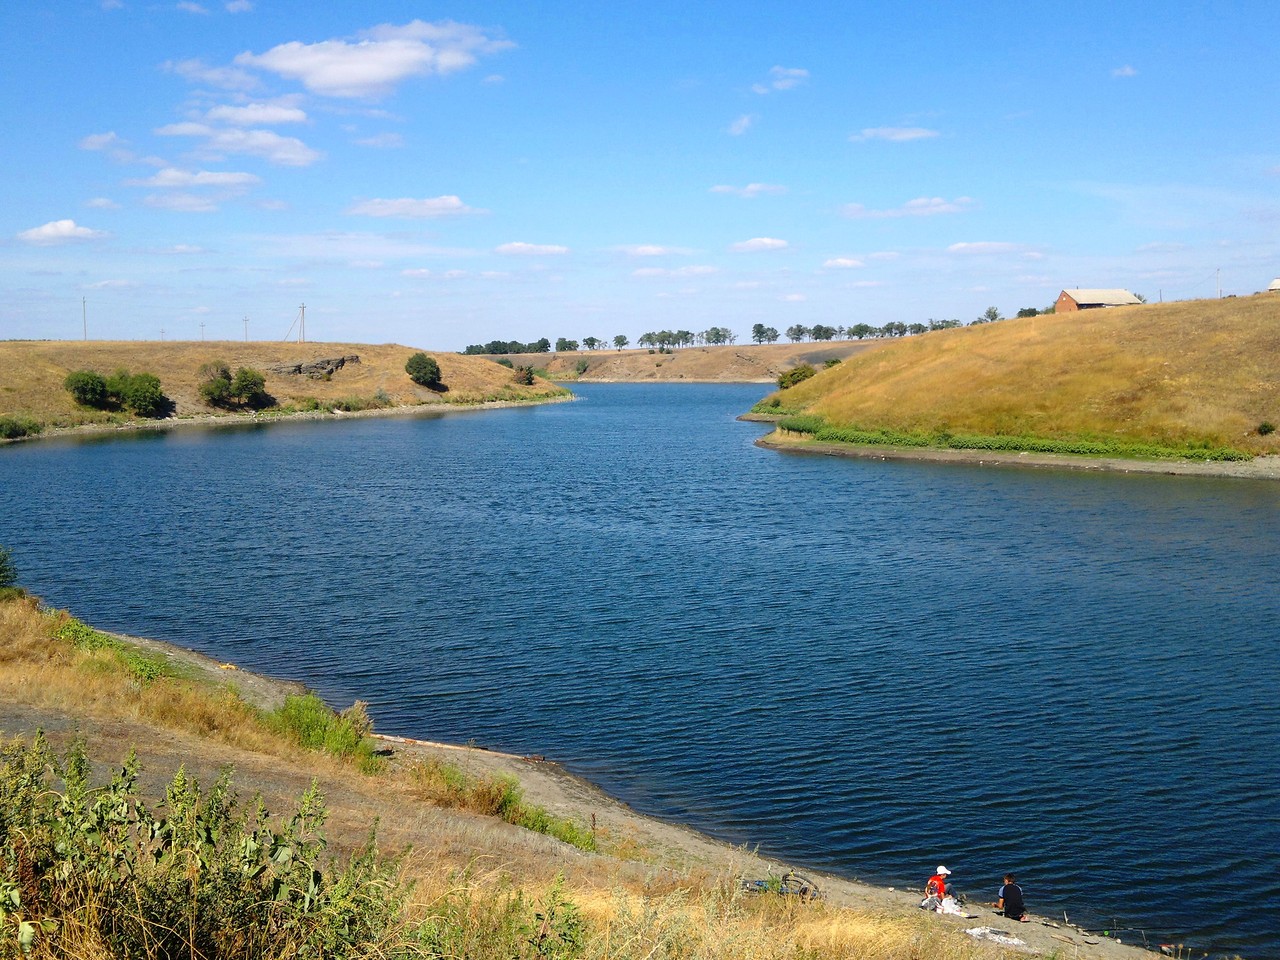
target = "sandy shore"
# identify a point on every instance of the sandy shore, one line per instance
(676, 846)
(1259, 468)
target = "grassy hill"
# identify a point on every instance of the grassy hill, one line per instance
(1180, 376)
(740, 363)
(32, 372)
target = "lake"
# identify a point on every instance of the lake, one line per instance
(864, 667)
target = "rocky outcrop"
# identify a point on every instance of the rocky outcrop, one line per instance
(320, 369)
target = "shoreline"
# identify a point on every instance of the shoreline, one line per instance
(675, 845)
(258, 419)
(1259, 468)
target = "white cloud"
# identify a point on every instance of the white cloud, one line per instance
(257, 114)
(652, 250)
(982, 247)
(238, 6)
(111, 285)
(102, 203)
(698, 270)
(172, 177)
(112, 4)
(418, 273)
(181, 202)
(270, 146)
(741, 125)
(1125, 71)
(793, 298)
(919, 207)
(378, 59)
(759, 243)
(382, 141)
(893, 134)
(410, 209)
(187, 7)
(843, 263)
(59, 231)
(782, 78)
(750, 191)
(185, 249)
(521, 249)
(863, 284)
(99, 141)
(225, 78)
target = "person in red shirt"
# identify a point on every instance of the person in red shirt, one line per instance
(935, 889)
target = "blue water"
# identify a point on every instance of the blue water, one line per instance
(869, 668)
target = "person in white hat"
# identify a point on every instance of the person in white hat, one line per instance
(935, 889)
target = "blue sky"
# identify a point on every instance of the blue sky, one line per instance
(442, 174)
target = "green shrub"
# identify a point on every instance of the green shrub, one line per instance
(248, 388)
(14, 428)
(524, 376)
(87, 388)
(581, 367)
(205, 878)
(1266, 427)
(798, 374)
(8, 570)
(506, 362)
(831, 362)
(142, 666)
(423, 370)
(309, 722)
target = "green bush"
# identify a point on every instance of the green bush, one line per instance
(99, 866)
(308, 721)
(523, 376)
(1266, 427)
(87, 388)
(143, 667)
(581, 367)
(247, 388)
(14, 428)
(423, 370)
(8, 570)
(798, 374)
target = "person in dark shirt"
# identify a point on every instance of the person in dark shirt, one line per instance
(1010, 901)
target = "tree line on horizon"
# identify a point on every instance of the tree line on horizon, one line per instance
(760, 333)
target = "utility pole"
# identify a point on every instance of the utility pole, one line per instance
(84, 316)
(302, 323)
(162, 334)
(202, 331)
(246, 329)
(1218, 275)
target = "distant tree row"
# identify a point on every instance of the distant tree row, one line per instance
(500, 347)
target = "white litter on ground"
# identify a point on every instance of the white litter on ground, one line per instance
(995, 936)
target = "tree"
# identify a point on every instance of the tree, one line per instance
(861, 331)
(591, 342)
(620, 341)
(770, 335)
(566, 346)
(140, 392)
(916, 328)
(822, 332)
(1028, 312)
(8, 572)
(990, 315)
(249, 386)
(423, 370)
(87, 388)
(215, 383)
(797, 332)
(757, 333)
(523, 376)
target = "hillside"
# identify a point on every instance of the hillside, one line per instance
(1186, 375)
(32, 372)
(741, 363)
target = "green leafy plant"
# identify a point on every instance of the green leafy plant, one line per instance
(797, 374)
(1266, 427)
(87, 388)
(423, 370)
(14, 428)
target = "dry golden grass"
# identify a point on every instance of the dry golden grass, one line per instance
(32, 372)
(1171, 373)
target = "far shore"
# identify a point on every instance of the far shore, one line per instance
(1259, 468)
(551, 786)
(243, 419)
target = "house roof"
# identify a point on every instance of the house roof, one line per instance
(1111, 298)
(1275, 284)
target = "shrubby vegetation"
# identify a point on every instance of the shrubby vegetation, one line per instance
(523, 376)
(798, 374)
(423, 370)
(247, 388)
(138, 392)
(14, 428)
(817, 428)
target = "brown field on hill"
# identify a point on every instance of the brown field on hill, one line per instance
(740, 363)
(32, 372)
(1176, 373)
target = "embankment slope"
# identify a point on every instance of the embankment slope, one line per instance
(1176, 374)
(747, 363)
(32, 373)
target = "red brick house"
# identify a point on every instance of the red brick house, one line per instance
(1081, 299)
